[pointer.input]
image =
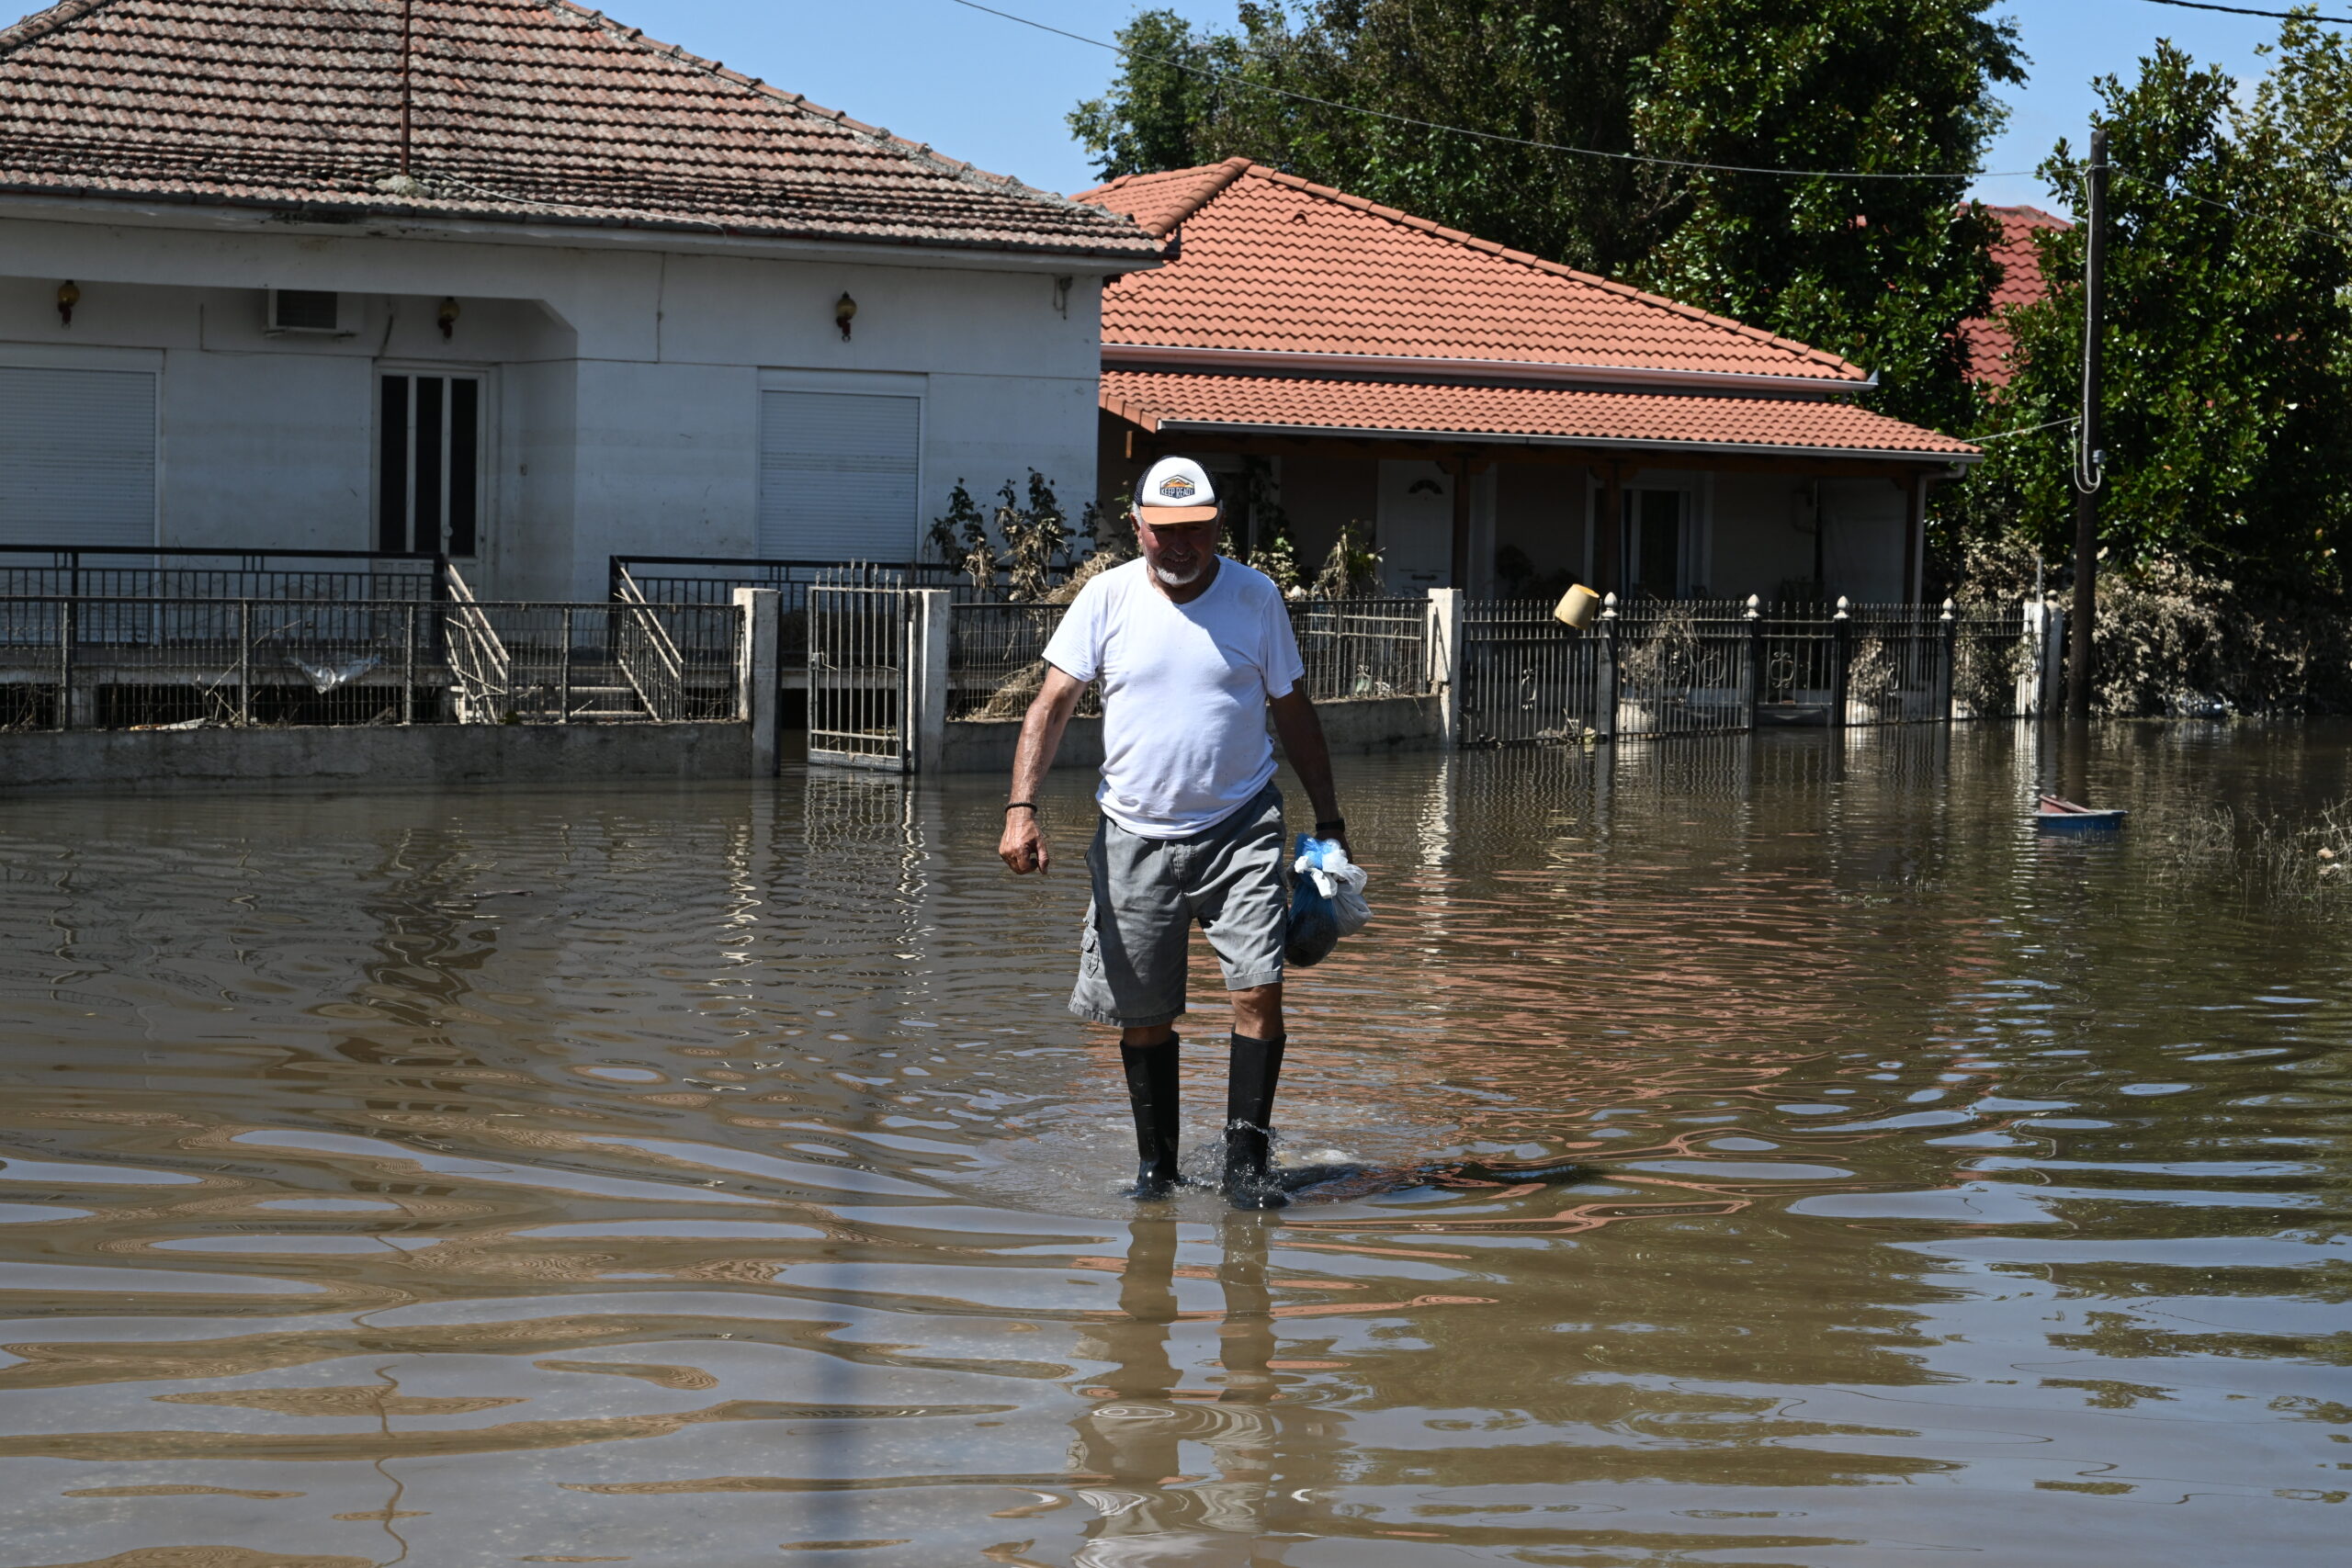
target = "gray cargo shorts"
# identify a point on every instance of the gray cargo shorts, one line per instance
(1149, 893)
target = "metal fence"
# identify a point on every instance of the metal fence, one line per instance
(1362, 648)
(1701, 666)
(125, 661)
(996, 659)
(1525, 678)
(1351, 648)
(712, 580)
(188, 572)
(860, 624)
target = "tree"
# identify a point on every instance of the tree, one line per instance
(1881, 271)
(1562, 71)
(2228, 344)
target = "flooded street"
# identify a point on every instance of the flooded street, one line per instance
(711, 1176)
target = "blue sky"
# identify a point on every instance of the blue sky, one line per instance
(995, 93)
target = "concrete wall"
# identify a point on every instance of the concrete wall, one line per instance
(1354, 726)
(374, 757)
(625, 379)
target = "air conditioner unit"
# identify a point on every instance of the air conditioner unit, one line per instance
(313, 311)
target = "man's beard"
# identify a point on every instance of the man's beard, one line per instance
(1175, 579)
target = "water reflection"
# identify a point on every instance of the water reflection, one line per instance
(696, 1176)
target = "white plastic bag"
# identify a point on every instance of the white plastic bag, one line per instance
(1339, 879)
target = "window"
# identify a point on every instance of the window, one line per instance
(428, 476)
(838, 476)
(1660, 559)
(77, 456)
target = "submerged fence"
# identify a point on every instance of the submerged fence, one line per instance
(150, 661)
(1701, 667)
(1350, 648)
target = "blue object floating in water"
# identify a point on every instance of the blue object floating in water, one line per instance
(2056, 815)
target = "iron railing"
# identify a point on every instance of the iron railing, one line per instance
(185, 571)
(131, 662)
(859, 626)
(1362, 648)
(1701, 667)
(1351, 648)
(996, 659)
(712, 580)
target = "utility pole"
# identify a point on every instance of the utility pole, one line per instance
(2089, 460)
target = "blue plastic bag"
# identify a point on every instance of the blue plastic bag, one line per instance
(1314, 921)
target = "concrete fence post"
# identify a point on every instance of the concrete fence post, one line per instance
(1606, 671)
(757, 697)
(929, 627)
(1948, 656)
(2053, 657)
(1444, 641)
(2027, 697)
(1756, 672)
(1841, 661)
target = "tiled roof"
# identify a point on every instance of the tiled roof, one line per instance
(1264, 260)
(518, 110)
(1986, 339)
(1154, 401)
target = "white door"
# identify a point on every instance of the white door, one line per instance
(838, 476)
(1415, 526)
(77, 456)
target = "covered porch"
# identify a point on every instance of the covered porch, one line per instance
(1514, 491)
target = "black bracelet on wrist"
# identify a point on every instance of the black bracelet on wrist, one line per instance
(1021, 805)
(1331, 829)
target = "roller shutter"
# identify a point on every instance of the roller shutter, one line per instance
(838, 476)
(77, 456)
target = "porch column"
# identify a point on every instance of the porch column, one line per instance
(1459, 466)
(1609, 531)
(1914, 534)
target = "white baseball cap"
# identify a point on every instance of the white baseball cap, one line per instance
(1176, 490)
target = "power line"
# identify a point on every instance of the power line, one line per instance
(1229, 79)
(2247, 11)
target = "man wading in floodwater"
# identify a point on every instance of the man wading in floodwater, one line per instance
(1193, 650)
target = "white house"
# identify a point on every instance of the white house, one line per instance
(507, 279)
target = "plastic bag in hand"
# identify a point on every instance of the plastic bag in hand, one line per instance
(1327, 902)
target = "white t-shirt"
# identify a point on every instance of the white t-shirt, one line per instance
(1184, 691)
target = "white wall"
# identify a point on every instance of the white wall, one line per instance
(626, 380)
(1864, 522)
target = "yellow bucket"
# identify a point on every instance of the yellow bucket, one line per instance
(1579, 607)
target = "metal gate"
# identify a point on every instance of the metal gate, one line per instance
(860, 626)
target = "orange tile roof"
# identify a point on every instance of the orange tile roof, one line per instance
(1986, 339)
(1181, 401)
(536, 110)
(1267, 261)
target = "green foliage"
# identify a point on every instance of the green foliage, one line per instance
(959, 536)
(1879, 271)
(1551, 71)
(1036, 537)
(2228, 339)
(1275, 553)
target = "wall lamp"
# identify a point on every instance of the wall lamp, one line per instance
(448, 317)
(69, 294)
(844, 312)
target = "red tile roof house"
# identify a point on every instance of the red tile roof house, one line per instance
(507, 278)
(1465, 399)
(1986, 339)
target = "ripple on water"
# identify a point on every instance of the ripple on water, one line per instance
(685, 1175)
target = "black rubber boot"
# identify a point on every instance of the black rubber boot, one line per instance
(1151, 1095)
(1250, 1076)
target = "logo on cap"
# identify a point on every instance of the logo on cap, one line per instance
(1177, 487)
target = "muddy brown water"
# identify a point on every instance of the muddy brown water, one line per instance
(710, 1176)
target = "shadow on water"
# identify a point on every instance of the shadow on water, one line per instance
(1770, 1151)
